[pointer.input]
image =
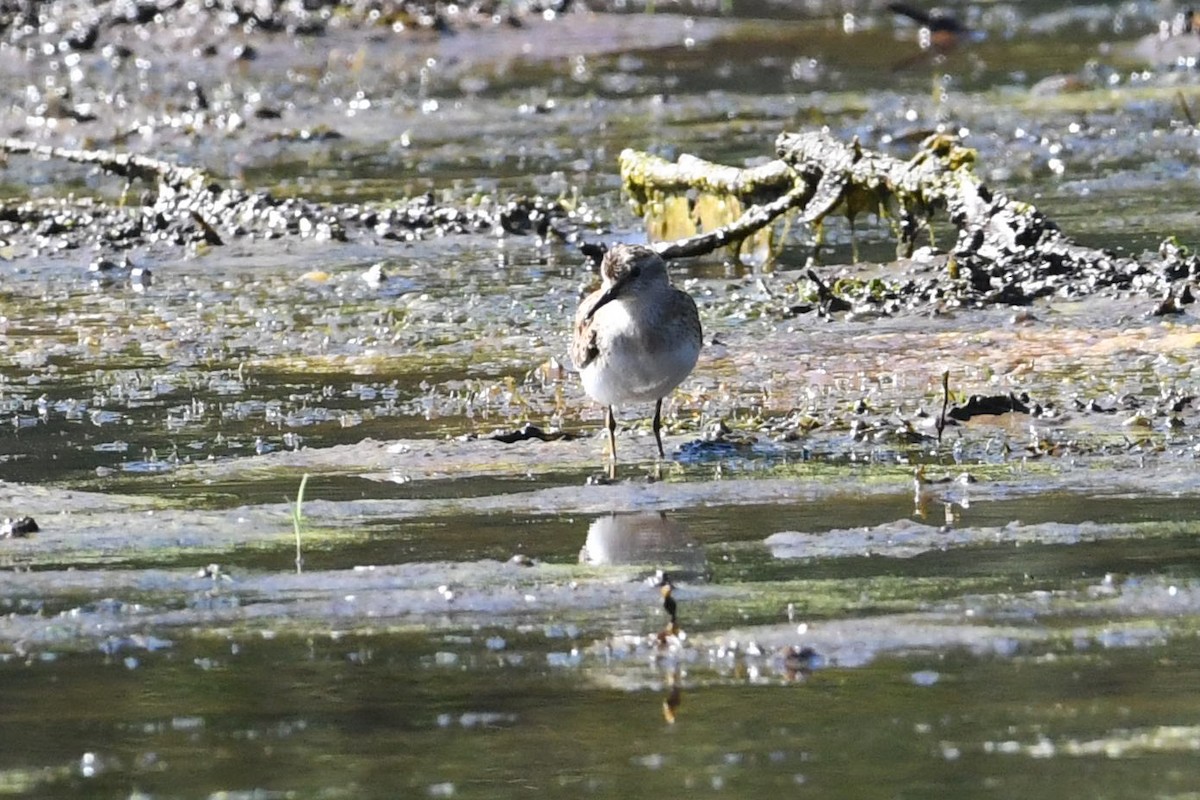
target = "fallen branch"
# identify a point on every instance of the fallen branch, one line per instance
(647, 176)
(750, 222)
(853, 180)
(1006, 251)
(816, 173)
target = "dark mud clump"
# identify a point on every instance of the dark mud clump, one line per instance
(184, 207)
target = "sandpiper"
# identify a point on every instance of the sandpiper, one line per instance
(636, 337)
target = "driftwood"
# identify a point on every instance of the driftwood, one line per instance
(814, 174)
(1006, 251)
(646, 176)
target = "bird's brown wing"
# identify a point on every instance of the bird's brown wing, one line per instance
(584, 349)
(583, 345)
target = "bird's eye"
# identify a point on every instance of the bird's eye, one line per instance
(635, 271)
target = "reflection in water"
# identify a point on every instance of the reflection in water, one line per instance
(642, 539)
(927, 493)
(665, 588)
(650, 538)
(798, 663)
(674, 696)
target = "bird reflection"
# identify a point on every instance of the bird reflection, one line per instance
(642, 538)
(665, 637)
(798, 663)
(667, 589)
(674, 697)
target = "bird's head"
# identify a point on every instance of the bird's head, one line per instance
(626, 266)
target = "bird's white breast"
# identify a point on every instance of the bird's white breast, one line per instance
(641, 358)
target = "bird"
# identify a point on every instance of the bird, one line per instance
(940, 31)
(636, 338)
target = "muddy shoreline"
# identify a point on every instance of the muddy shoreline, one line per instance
(349, 249)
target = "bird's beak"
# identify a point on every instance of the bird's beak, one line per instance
(611, 294)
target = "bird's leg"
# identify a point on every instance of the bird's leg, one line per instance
(610, 422)
(658, 427)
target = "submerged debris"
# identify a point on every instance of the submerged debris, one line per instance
(530, 431)
(993, 404)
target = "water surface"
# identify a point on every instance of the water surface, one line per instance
(1010, 611)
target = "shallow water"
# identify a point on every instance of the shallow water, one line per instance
(1027, 631)
(380, 717)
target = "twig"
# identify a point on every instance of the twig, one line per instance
(298, 522)
(941, 420)
(830, 303)
(753, 219)
(1187, 109)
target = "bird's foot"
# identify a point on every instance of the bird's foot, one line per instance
(607, 478)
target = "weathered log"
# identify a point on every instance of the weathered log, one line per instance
(647, 176)
(852, 180)
(821, 176)
(1006, 251)
(818, 174)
